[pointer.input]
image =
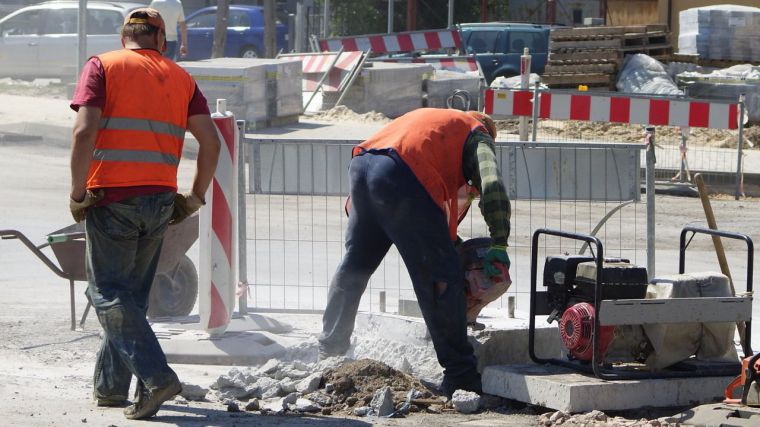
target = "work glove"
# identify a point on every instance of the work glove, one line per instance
(496, 255)
(79, 209)
(185, 205)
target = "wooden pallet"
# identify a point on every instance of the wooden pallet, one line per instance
(574, 80)
(578, 32)
(591, 55)
(581, 69)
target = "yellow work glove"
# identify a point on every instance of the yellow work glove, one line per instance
(79, 209)
(185, 205)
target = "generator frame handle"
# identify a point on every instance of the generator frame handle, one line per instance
(683, 244)
(596, 361)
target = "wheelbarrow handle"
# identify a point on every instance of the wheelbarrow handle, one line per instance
(60, 238)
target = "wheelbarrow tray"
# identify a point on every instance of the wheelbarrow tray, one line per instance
(68, 245)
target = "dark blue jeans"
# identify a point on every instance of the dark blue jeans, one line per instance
(123, 245)
(390, 206)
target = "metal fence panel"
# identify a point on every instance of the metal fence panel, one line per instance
(296, 218)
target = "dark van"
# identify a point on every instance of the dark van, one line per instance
(498, 46)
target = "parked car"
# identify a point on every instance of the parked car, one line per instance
(498, 46)
(245, 33)
(41, 40)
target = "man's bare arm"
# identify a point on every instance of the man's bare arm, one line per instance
(183, 38)
(82, 146)
(204, 131)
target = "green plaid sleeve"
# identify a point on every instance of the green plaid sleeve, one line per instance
(481, 169)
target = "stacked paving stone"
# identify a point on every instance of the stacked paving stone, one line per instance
(263, 92)
(591, 56)
(721, 33)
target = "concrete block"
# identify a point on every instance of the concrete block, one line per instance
(409, 307)
(504, 342)
(567, 390)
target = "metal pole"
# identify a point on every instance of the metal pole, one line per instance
(650, 162)
(242, 242)
(326, 19)
(536, 102)
(300, 27)
(683, 149)
(451, 13)
(738, 191)
(270, 42)
(390, 16)
(81, 37)
(524, 85)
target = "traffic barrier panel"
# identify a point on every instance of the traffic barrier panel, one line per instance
(315, 65)
(657, 111)
(410, 41)
(218, 231)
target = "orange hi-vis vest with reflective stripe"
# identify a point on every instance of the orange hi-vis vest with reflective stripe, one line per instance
(431, 142)
(142, 127)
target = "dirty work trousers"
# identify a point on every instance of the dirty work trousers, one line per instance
(123, 245)
(388, 206)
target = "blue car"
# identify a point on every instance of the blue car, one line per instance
(245, 33)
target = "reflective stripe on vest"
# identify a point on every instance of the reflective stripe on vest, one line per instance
(141, 156)
(155, 126)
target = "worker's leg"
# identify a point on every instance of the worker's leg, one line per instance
(123, 244)
(366, 245)
(419, 230)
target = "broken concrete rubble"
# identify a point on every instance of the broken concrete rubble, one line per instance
(382, 402)
(465, 402)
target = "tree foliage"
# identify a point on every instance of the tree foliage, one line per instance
(351, 17)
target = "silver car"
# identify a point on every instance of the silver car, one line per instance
(41, 40)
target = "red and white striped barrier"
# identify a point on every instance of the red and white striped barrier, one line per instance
(614, 109)
(454, 63)
(410, 41)
(316, 64)
(218, 231)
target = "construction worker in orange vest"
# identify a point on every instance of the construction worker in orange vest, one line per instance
(410, 185)
(133, 106)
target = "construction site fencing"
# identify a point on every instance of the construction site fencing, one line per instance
(691, 135)
(296, 215)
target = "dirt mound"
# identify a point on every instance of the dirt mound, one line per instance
(355, 382)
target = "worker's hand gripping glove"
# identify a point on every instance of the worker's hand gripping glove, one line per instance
(496, 255)
(79, 209)
(185, 205)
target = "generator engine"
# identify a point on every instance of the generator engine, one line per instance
(570, 282)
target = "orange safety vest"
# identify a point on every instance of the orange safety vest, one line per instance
(142, 127)
(431, 142)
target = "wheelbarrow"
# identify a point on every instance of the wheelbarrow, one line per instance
(174, 289)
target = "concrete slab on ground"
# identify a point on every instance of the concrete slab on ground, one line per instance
(503, 342)
(567, 390)
(250, 339)
(721, 415)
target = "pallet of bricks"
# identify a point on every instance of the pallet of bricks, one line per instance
(592, 56)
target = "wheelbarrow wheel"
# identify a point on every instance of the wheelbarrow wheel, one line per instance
(174, 292)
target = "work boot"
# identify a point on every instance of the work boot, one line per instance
(468, 383)
(148, 401)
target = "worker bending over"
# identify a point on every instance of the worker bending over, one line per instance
(410, 185)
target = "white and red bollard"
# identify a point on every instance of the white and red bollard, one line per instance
(218, 264)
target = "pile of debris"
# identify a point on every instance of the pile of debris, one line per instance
(591, 56)
(360, 388)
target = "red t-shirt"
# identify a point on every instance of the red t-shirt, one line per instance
(91, 91)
